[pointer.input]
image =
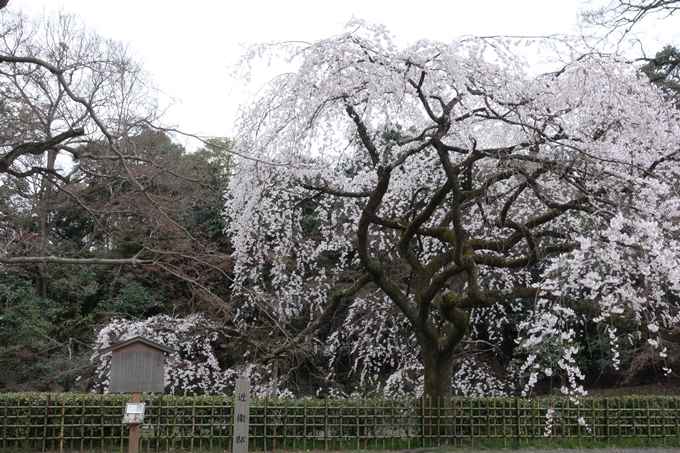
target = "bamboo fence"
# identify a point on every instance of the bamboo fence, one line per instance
(85, 422)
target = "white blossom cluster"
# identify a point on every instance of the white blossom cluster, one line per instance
(192, 369)
(548, 342)
(475, 378)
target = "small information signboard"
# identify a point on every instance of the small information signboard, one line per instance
(134, 413)
(241, 416)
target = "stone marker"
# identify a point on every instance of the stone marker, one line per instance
(241, 416)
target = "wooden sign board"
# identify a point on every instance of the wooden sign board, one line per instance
(137, 365)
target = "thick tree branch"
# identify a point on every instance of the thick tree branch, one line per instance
(335, 300)
(36, 148)
(78, 261)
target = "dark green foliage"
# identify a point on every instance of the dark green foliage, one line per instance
(39, 338)
(664, 71)
(132, 300)
(171, 213)
(215, 163)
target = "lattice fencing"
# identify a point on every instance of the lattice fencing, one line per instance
(82, 422)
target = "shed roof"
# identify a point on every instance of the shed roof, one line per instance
(137, 340)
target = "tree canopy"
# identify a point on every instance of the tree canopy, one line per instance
(418, 198)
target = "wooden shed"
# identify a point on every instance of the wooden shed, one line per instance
(137, 365)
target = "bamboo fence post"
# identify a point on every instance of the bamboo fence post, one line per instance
(408, 422)
(422, 421)
(471, 419)
(649, 426)
(595, 419)
(275, 430)
(47, 411)
(193, 424)
(82, 426)
(439, 420)
(264, 425)
(4, 425)
(61, 429)
(304, 424)
(677, 418)
(552, 422)
(380, 411)
(230, 427)
(532, 411)
(392, 425)
(455, 417)
(664, 404)
(28, 424)
(325, 423)
(634, 418)
(102, 436)
(606, 419)
(158, 424)
(618, 419)
(200, 417)
(92, 424)
(173, 434)
(494, 414)
(290, 412)
(88, 427)
(356, 422)
(503, 423)
(212, 423)
(370, 414)
(122, 430)
(578, 414)
(340, 417)
(375, 423)
(519, 429)
(286, 414)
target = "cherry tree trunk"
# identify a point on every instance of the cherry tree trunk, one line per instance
(437, 390)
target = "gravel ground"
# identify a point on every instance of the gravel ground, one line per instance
(551, 450)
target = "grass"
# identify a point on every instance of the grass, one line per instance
(539, 445)
(546, 444)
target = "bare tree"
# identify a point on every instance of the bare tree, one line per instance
(78, 141)
(623, 15)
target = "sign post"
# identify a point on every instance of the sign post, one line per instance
(134, 416)
(241, 416)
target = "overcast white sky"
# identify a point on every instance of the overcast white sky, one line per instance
(190, 47)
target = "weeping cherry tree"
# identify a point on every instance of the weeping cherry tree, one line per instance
(406, 196)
